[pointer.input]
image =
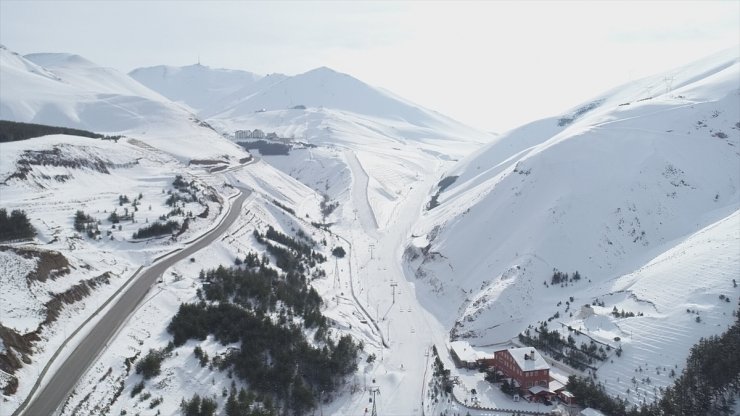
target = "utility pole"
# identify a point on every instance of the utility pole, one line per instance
(372, 246)
(668, 83)
(393, 291)
(336, 272)
(374, 390)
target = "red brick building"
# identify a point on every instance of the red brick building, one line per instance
(524, 365)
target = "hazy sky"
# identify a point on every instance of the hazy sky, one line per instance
(493, 65)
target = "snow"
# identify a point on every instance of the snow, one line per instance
(465, 352)
(196, 86)
(523, 358)
(74, 92)
(636, 189)
(51, 205)
(614, 194)
(18, 305)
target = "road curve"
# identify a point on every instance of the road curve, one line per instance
(69, 373)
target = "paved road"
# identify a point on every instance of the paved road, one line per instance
(64, 380)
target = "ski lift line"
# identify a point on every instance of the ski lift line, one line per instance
(352, 286)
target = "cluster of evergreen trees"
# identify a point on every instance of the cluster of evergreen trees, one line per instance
(198, 407)
(11, 131)
(244, 403)
(327, 206)
(156, 229)
(559, 277)
(150, 365)
(709, 384)
(182, 187)
(15, 226)
(268, 313)
(622, 314)
(180, 184)
(442, 382)
(294, 256)
(564, 350)
(87, 224)
(263, 290)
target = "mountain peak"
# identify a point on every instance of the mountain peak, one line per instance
(323, 70)
(197, 85)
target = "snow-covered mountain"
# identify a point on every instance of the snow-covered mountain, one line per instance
(67, 90)
(324, 113)
(70, 91)
(197, 86)
(637, 190)
(326, 88)
(235, 99)
(619, 189)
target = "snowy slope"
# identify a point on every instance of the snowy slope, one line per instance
(606, 189)
(373, 156)
(196, 86)
(73, 92)
(396, 143)
(67, 90)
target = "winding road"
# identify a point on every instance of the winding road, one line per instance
(56, 391)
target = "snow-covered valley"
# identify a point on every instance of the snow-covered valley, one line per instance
(449, 232)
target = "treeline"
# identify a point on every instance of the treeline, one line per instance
(262, 289)
(87, 224)
(156, 229)
(294, 256)
(267, 312)
(709, 384)
(559, 277)
(267, 148)
(198, 407)
(11, 131)
(15, 226)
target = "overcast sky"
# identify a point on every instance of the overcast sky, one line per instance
(493, 65)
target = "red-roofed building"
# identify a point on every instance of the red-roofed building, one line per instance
(525, 365)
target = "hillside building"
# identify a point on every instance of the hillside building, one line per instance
(466, 356)
(525, 366)
(243, 134)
